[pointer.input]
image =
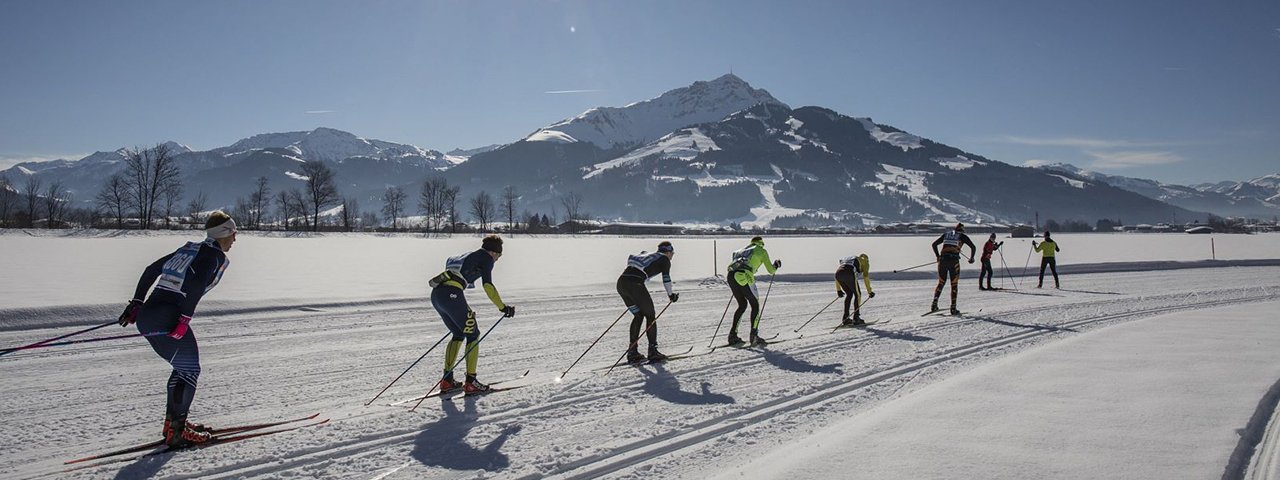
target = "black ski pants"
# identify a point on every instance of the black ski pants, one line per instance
(1052, 263)
(948, 267)
(848, 279)
(640, 304)
(155, 321)
(745, 295)
(986, 272)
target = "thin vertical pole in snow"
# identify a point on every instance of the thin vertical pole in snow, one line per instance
(1213, 250)
(715, 260)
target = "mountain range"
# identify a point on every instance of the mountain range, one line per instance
(716, 151)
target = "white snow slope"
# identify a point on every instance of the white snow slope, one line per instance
(691, 418)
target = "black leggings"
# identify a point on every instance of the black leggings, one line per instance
(1052, 263)
(745, 295)
(948, 267)
(848, 280)
(986, 272)
(638, 301)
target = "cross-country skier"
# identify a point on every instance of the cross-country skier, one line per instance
(949, 263)
(446, 296)
(1050, 249)
(987, 249)
(185, 276)
(631, 286)
(847, 286)
(742, 282)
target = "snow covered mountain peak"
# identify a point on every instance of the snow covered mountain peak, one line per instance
(642, 122)
(329, 144)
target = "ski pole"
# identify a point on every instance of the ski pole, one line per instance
(637, 342)
(1007, 273)
(470, 347)
(917, 266)
(91, 340)
(1028, 262)
(593, 344)
(414, 364)
(54, 339)
(722, 316)
(833, 301)
(755, 324)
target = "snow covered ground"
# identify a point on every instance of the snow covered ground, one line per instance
(692, 418)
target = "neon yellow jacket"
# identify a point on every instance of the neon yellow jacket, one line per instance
(747, 260)
(1048, 247)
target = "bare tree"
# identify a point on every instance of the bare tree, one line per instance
(350, 213)
(52, 203)
(8, 196)
(450, 204)
(171, 196)
(298, 204)
(149, 173)
(284, 208)
(432, 200)
(509, 197)
(196, 208)
(260, 199)
(33, 198)
(572, 203)
(243, 208)
(321, 191)
(483, 209)
(113, 199)
(393, 205)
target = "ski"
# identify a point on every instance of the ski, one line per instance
(215, 432)
(481, 394)
(217, 440)
(451, 393)
(624, 361)
(861, 325)
(930, 312)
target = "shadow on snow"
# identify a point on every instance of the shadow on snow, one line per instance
(662, 384)
(444, 442)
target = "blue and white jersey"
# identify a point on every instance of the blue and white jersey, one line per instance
(185, 275)
(951, 238)
(643, 266)
(851, 262)
(463, 270)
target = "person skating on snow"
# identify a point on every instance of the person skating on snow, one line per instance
(742, 282)
(631, 286)
(164, 318)
(1050, 249)
(987, 249)
(847, 286)
(949, 263)
(449, 301)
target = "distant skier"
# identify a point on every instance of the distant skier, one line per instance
(185, 276)
(1050, 249)
(949, 263)
(742, 282)
(847, 286)
(631, 286)
(987, 249)
(447, 297)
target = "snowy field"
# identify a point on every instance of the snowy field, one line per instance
(307, 325)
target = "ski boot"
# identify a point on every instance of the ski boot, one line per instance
(474, 387)
(954, 310)
(847, 322)
(933, 307)
(734, 339)
(634, 356)
(168, 427)
(756, 339)
(857, 321)
(182, 435)
(655, 356)
(448, 384)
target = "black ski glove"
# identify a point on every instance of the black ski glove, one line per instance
(970, 259)
(675, 297)
(509, 311)
(871, 295)
(777, 264)
(130, 312)
(839, 293)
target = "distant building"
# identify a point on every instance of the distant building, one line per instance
(641, 229)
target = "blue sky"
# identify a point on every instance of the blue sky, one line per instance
(1178, 91)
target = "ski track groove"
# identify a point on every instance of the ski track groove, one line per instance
(737, 420)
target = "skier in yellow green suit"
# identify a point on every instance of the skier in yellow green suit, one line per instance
(1050, 250)
(742, 282)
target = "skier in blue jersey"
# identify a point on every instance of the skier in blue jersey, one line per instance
(446, 296)
(631, 286)
(184, 277)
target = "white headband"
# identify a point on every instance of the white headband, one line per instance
(222, 231)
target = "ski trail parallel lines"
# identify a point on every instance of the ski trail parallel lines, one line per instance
(650, 448)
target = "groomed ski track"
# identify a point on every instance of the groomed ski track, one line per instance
(678, 420)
